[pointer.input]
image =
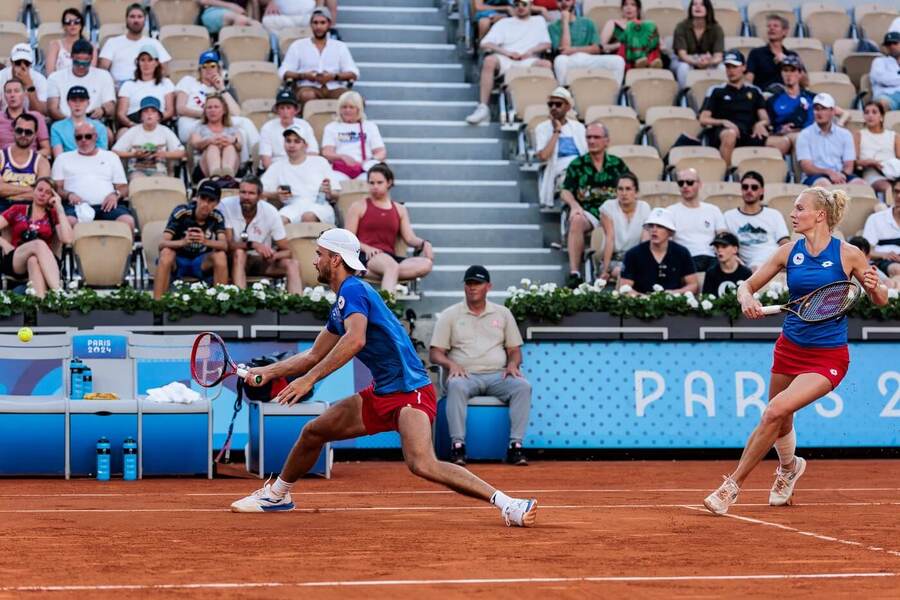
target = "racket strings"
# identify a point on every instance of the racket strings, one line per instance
(829, 302)
(209, 361)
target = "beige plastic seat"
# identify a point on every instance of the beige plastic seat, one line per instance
(593, 87)
(601, 11)
(11, 33)
(848, 60)
(855, 120)
(302, 238)
(181, 68)
(729, 17)
(810, 50)
(650, 87)
(102, 249)
(254, 79)
(47, 33)
(781, 197)
(109, 30)
(151, 236)
(836, 84)
(724, 194)
(176, 12)
(668, 122)
(744, 43)
(258, 110)
(351, 191)
(621, 121)
(875, 19)
(319, 113)
(758, 10)
(643, 161)
(154, 198)
(534, 116)
(289, 35)
(244, 43)
(665, 13)
(768, 162)
(400, 249)
(659, 193)
(11, 10)
(862, 204)
(892, 120)
(184, 42)
(52, 10)
(529, 86)
(110, 11)
(706, 160)
(698, 83)
(825, 21)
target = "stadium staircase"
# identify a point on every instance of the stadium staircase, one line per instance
(463, 192)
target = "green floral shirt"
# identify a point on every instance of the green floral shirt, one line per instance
(591, 187)
(582, 30)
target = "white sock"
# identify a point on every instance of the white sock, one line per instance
(281, 487)
(500, 500)
(785, 446)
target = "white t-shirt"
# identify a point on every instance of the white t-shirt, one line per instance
(136, 91)
(295, 7)
(271, 138)
(758, 234)
(695, 228)
(197, 93)
(123, 52)
(90, 177)
(137, 136)
(518, 35)
(40, 85)
(882, 226)
(627, 233)
(345, 138)
(99, 84)
(265, 228)
(305, 180)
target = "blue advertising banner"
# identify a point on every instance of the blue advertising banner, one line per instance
(99, 345)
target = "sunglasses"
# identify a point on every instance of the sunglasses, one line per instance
(21, 63)
(23, 131)
(81, 63)
(750, 186)
(555, 104)
(80, 137)
(72, 22)
(685, 182)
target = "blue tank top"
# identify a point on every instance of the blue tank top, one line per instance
(806, 273)
(388, 353)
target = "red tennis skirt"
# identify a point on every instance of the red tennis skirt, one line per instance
(791, 359)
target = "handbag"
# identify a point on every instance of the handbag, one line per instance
(890, 168)
(353, 171)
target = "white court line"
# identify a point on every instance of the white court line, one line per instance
(818, 536)
(422, 582)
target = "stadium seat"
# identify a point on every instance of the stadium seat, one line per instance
(351, 191)
(862, 204)
(665, 13)
(180, 68)
(811, 52)
(724, 194)
(847, 60)
(825, 21)
(109, 12)
(706, 160)
(50, 11)
(184, 42)
(244, 43)
(650, 87)
(11, 10)
(151, 235)
(11, 33)
(534, 115)
(592, 87)
(529, 86)
(176, 12)
(836, 84)
(154, 198)
(302, 238)
(892, 120)
(666, 123)
(659, 193)
(621, 122)
(743, 43)
(319, 113)
(593, 253)
(729, 17)
(102, 249)
(873, 20)
(289, 35)
(768, 162)
(46, 34)
(855, 120)
(865, 86)
(781, 196)
(109, 30)
(643, 161)
(758, 10)
(254, 79)
(601, 11)
(258, 110)
(698, 83)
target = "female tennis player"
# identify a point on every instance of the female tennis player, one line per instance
(401, 397)
(811, 359)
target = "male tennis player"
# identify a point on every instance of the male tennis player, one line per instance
(811, 359)
(401, 398)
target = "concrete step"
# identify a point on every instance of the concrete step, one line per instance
(488, 212)
(423, 191)
(417, 90)
(434, 128)
(409, 34)
(404, 52)
(450, 148)
(374, 70)
(498, 256)
(440, 110)
(391, 15)
(449, 277)
(455, 169)
(478, 234)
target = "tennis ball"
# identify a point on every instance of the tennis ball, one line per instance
(25, 334)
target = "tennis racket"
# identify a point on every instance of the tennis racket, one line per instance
(828, 302)
(210, 362)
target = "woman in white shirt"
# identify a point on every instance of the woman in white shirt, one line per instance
(623, 223)
(148, 81)
(59, 54)
(352, 144)
(876, 146)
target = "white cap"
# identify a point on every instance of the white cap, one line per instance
(22, 51)
(663, 217)
(824, 99)
(343, 242)
(563, 94)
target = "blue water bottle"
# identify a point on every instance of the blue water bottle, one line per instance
(76, 379)
(129, 459)
(87, 381)
(103, 449)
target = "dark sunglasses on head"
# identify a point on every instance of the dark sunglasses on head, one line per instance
(23, 131)
(555, 104)
(684, 182)
(72, 22)
(83, 136)
(750, 186)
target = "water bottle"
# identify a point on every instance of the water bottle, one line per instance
(87, 381)
(321, 198)
(103, 459)
(76, 379)
(129, 459)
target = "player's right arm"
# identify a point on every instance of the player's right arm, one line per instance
(299, 364)
(752, 307)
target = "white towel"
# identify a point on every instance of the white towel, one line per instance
(175, 392)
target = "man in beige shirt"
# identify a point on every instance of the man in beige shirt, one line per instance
(478, 344)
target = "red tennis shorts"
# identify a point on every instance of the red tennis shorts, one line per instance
(791, 359)
(380, 413)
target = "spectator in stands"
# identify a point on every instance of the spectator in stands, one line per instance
(699, 41)
(303, 183)
(222, 13)
(20, 164)
(257, 241)
(659, 261)
(862, 243)
(882, 230)
(352, 143)
(696, 223)
(120, 52)
(518, 41)
(149, 147)
(590, 181)
(884, 74)
(62, 133)
(284, 14)
(379, 222)
(479, 346)
(825, 150)
(93, 178)
(59, 55)
(34, 84)
(217, 140)
(35, 229)
(148, 82)
(764, 63)
(98, 83)
(319, 66)
(488, 12)
(576, 43)
(759, 229)
(194, 243)
(559, 140)
(15, 100)
(791, 109)
(623, 223)
(728, 272)
(634, 40)
(271, 134)
(735, 111)
(877, 149)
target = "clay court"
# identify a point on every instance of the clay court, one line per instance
(604, 529)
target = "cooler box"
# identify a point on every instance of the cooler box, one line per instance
(274, 428)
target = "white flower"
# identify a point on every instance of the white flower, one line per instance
(776, 286)
(578, 291)
(260, 295)
(706, 305)
(177, 283)
(525, 282)
(211, 292)
(615, 293)
(689, 294)
(599, 283)
(757, 295)
(198, 285)
(330, 296)
(223, 296)
(73, 285)
(318, 290)
(692, 302)
(657, 287)
(548, 287)
(315, 296)
(186, 297)
(771, 293)
(6, 299)
(30, 291)
(511, 289)
(258, 286)
(625, 289)
(265, 282)
(231, 288)
(893, 294)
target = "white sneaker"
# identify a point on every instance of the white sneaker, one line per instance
(262, 500)
(783, 488)
(520, 512)
(482, 113)
(721, 500)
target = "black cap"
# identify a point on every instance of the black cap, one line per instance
(81, 46)
(725, 239)
(891, 37)
(210, 190)
(78, 92)
(477, 273)
(286, 97)
(734, 57)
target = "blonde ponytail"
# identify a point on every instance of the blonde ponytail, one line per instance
(833, 202)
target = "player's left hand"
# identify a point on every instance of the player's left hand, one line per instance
(294, 391)
(870, 279)
(512, 371)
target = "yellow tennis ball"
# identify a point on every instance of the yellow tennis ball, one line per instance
(25, 334)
